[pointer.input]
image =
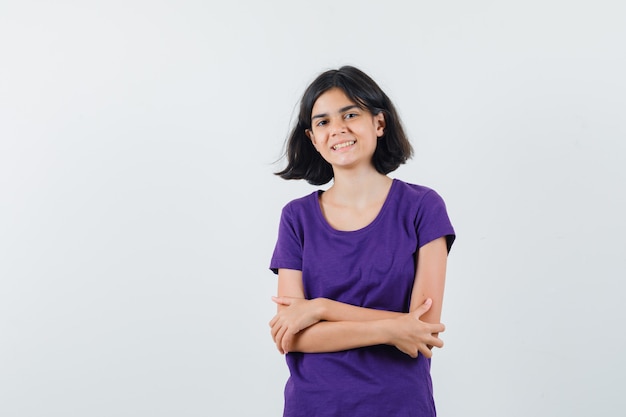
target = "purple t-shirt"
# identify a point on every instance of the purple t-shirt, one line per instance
(372, 267)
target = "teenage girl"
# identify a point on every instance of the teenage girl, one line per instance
(361, 266)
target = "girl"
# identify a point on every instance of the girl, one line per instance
(361, 266)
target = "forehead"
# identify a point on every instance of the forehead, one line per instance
(332, 101)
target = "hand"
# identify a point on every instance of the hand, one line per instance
(413, 336)
(296, 315)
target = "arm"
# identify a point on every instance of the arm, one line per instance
(406, 332)
(291, 293)
(430, 278)
(295, 313)
(298, 327)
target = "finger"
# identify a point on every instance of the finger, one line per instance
(410, 352)
(279, 337)
(436, 328)
(436, 342)
(280, 349)
(275, 329)
(273, 332)
(277, 343)
(286, 344)
(425, 351)
(284, 301)
(273, 321)
(421, 310)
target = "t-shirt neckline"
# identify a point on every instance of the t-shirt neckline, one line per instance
(372, 224)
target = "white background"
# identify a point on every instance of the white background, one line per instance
(138, 210)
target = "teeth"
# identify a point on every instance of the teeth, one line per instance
(343, 145)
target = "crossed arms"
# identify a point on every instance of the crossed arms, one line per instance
(323, 325)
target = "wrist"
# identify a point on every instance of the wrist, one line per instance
(393, 329)
(385, 329)
(321, 308)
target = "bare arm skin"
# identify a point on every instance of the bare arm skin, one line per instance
(295, 314)
(430, 278)
(323, 325)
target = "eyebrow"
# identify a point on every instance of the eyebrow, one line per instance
(341, 110)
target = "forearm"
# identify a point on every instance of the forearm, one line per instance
(334, 336)
(406, 332)
(331, 310)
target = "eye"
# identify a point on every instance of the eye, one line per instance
(321, 123)
(350, 115)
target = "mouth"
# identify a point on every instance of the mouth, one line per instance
(343, 145)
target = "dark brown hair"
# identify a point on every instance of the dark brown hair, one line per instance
(303, 160)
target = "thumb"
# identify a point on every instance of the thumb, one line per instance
(421, 310)
(285, 301)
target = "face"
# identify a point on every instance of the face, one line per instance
(342, 132)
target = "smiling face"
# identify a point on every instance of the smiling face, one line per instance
(343, 133)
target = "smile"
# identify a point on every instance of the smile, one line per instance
(343, 145)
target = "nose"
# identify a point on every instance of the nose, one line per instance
(337, 125)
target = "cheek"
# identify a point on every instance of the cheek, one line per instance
(314, 141)
(316, 138)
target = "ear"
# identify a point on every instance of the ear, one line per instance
(310, 135)
(380, 123)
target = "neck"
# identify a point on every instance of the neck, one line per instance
(356, 188)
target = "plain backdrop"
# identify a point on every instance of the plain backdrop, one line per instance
(139, 210)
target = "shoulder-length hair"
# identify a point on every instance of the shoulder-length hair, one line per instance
(303, 160)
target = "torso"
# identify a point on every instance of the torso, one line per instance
(371, 266)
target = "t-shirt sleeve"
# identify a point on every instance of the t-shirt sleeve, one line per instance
(288, 250)
(432, 221)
